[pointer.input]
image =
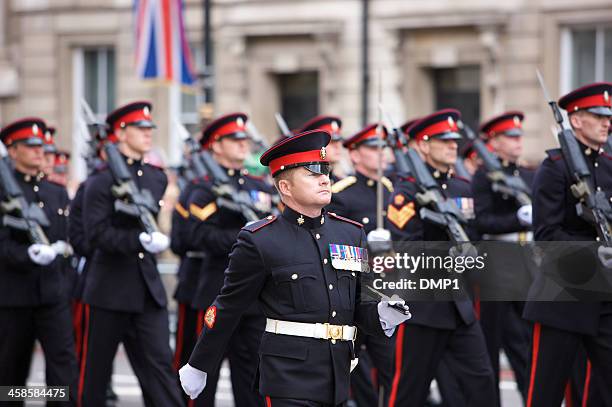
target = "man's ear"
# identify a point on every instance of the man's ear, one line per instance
(284, 186)
(575, 120)
(121, 134)
(354, 156)
(423, 146)
(216, 147)
(12, 150)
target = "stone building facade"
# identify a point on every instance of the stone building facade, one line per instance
(302, 57)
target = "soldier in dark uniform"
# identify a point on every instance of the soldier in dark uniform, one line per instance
(50, 150)
(297, 266)
(33, 303)
(501, 218)
(124, 296)
(188, 273)
(333, 125)
(354, 197)
(561, 327)
(211, 231)
(442, 327)
(82, 251)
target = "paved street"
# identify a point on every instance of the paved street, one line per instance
(126, 385)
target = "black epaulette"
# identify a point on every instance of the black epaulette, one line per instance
(342, 218)
(554, 154)
(255, 226)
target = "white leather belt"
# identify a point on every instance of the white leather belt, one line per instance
(195, 255)
(511, 237)
(312, 330)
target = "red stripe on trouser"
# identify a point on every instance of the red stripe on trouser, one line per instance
(179, 337)
(200, 324)
(374, 377)
(587, 382)
(84, 357)
(77, 326)
(569, 402)
(534, 360)
(268, 401)
(477, 301)
(399, 350)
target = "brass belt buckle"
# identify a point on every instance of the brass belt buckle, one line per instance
(333, 331)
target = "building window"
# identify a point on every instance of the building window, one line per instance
(299, 97)
(99, 79)
(586, 56)
(459, 88)
(192, 99)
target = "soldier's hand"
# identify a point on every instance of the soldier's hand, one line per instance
(605, 256)
(155, 242)
(390, 317)
(63, 248)
(193, 380)
(524, 215)
(41, 254)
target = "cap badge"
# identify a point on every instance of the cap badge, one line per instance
(35, 129)
(240, 122)
(146, 111)
(517, 121)
(606, 96)
(323, 153)
(334, 125)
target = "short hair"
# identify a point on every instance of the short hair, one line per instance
(283, 175)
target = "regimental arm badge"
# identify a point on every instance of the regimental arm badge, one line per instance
(400, 216)
(211, 316)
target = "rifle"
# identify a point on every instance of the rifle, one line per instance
(510, 185)
(256, 136)
(282, 125)
(194, 162)
(227, 196)
(29, 218)
(592, 204)
(396, 140)
(130, 199)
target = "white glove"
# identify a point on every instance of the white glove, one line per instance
(41, 254)
(193, 380)
(63, 248)
(379, 240)
(524, 215)
(155, 242)
(605, 256)
(390, 317)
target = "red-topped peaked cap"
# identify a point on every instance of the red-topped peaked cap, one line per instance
(441, 125)
(594, 98)
(302, 150)
(62, 159)
(332, 124)
(368, 136)
(506, 124)
(133, 114)
(231, 125)
(49, 146)
(30, 131)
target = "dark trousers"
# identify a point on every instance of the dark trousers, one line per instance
(145, 337)
(553, 356)
(276, 402)
(243, 355)
(374, 372)
(418, 353)
(186, 337)
(51, 326)
(504, 328)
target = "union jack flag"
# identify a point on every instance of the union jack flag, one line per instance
(162, 51)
